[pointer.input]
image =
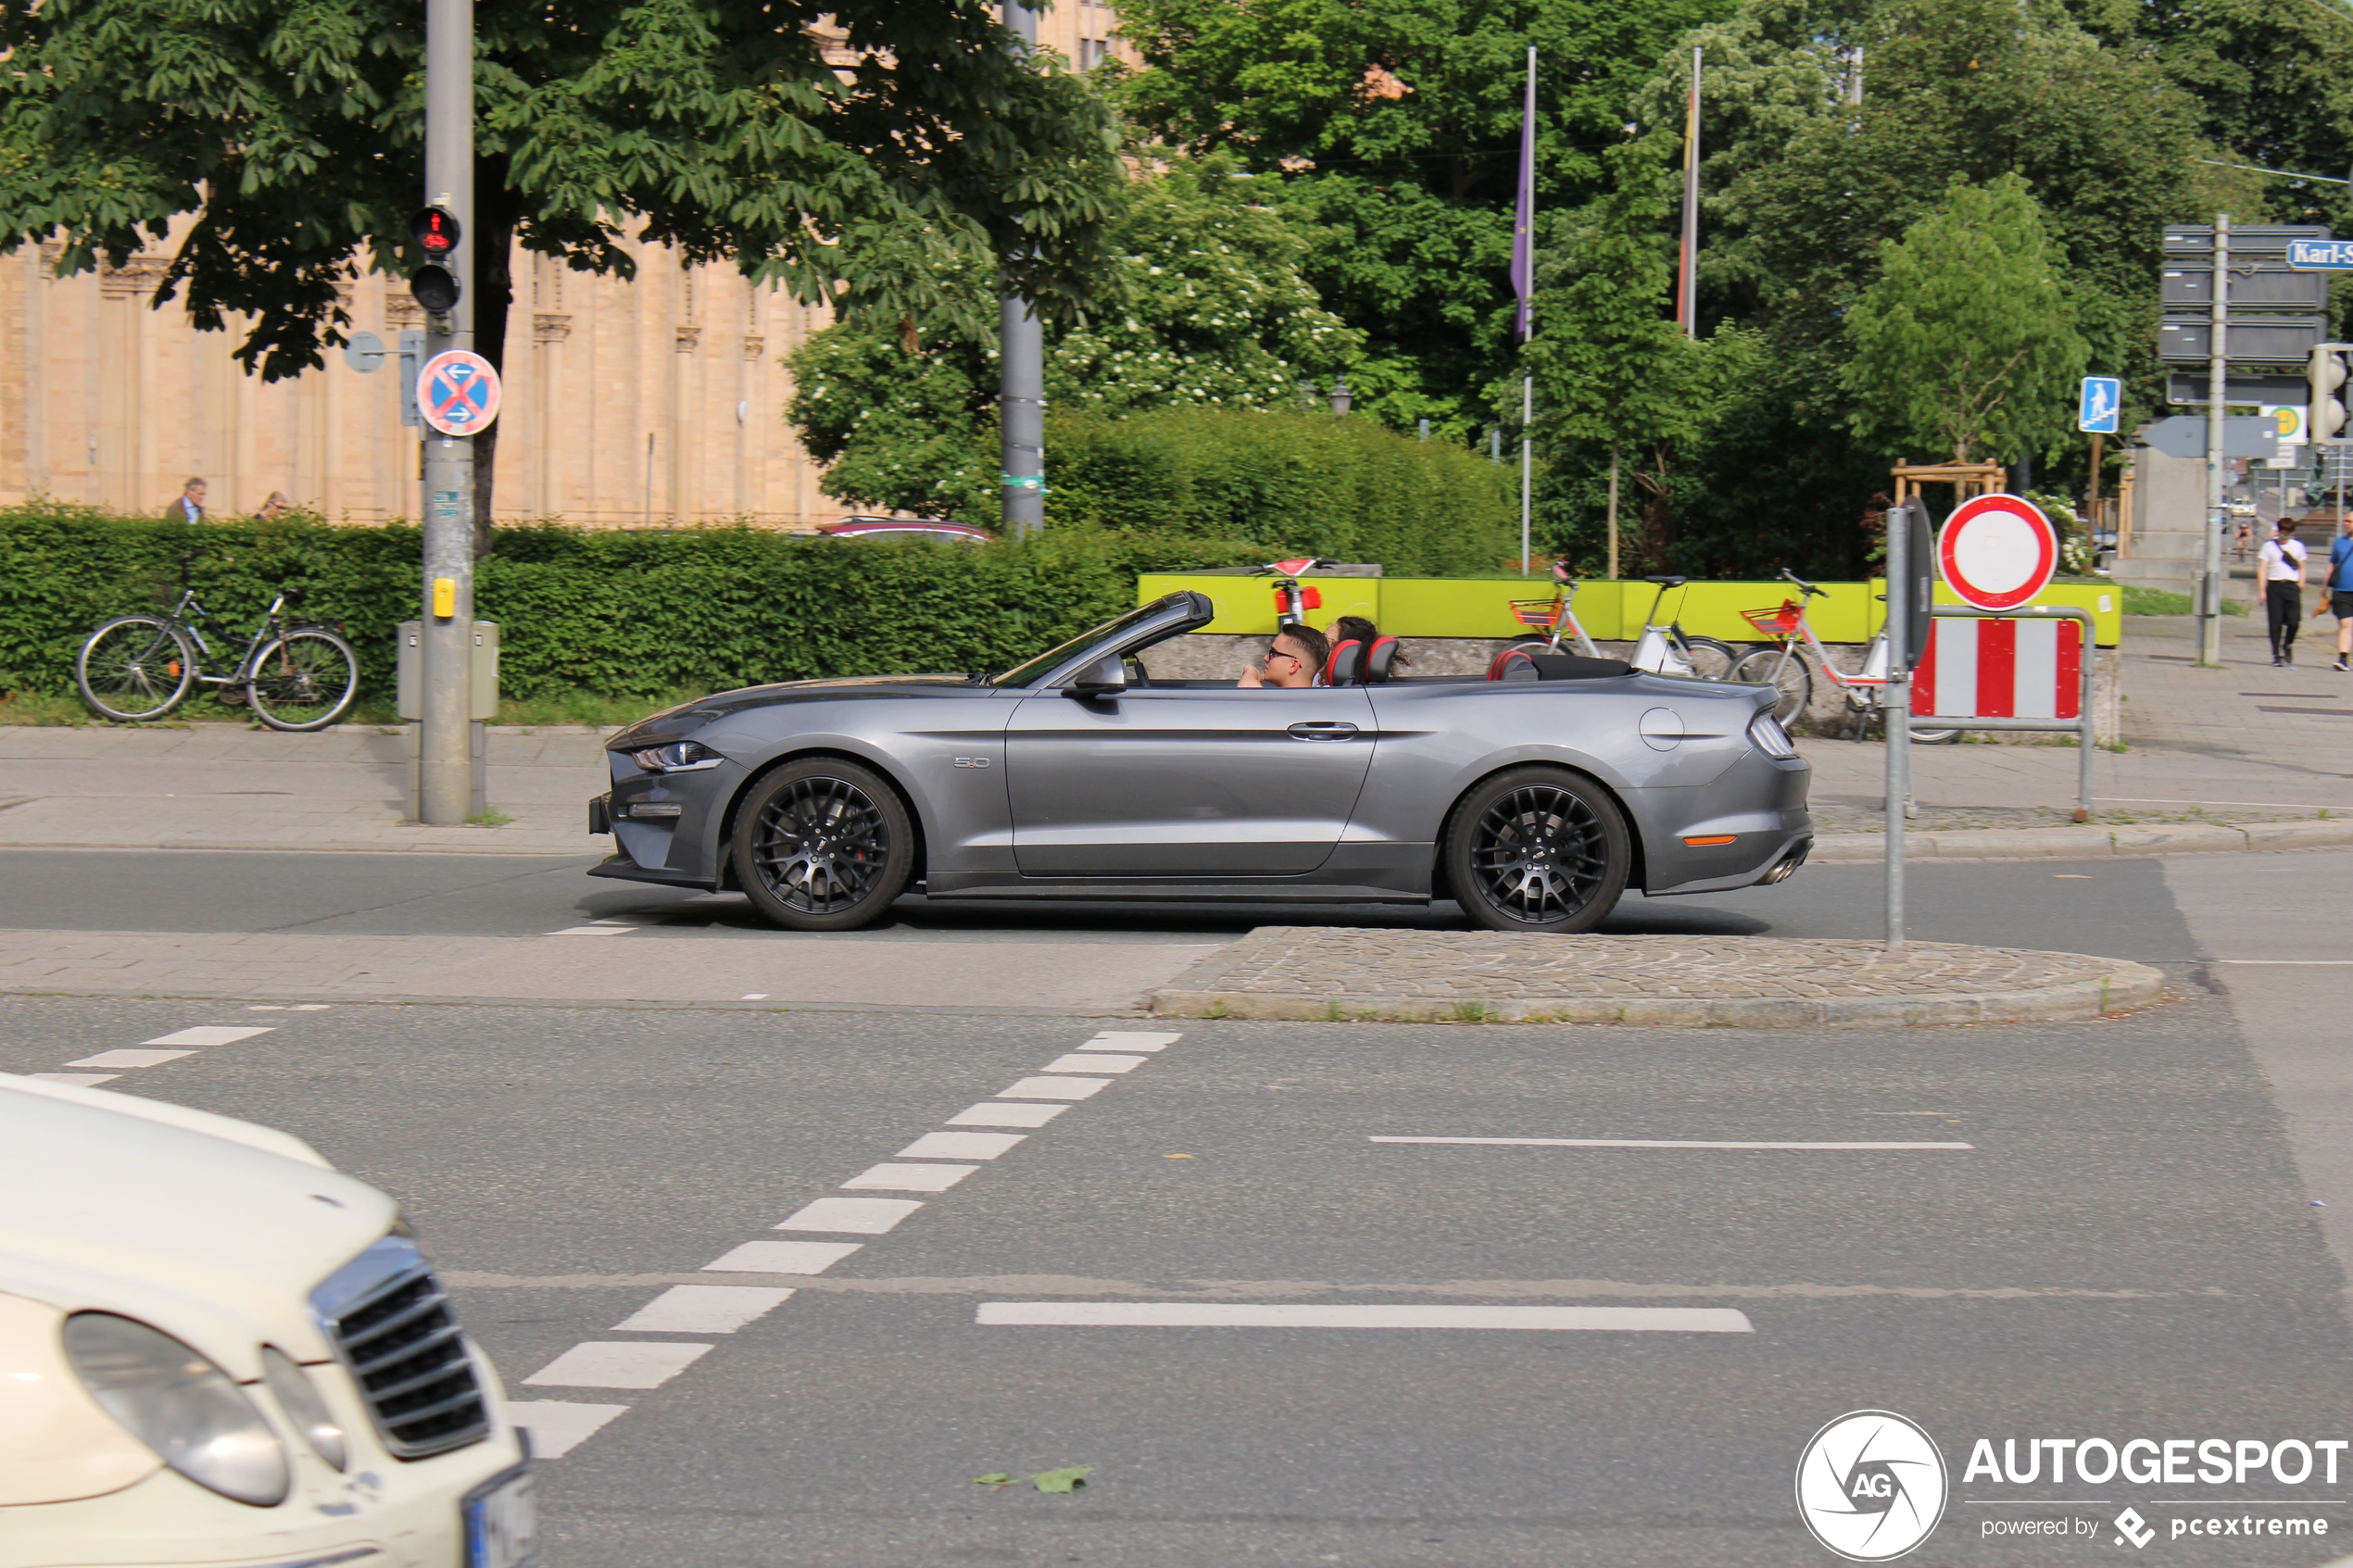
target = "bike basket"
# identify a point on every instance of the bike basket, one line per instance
(1779, 620)
(1536, 612)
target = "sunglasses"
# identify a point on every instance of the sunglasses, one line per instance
(1277, 653)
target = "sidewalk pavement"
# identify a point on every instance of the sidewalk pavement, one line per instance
(2242, 744)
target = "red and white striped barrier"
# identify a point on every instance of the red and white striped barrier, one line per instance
(2001, 669)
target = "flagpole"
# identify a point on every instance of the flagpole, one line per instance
(1523, 281)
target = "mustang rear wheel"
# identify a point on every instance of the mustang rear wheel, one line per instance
(1538, 850)
(823, 845)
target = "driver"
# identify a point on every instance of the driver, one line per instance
(1295, 660)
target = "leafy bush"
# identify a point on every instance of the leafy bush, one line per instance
(623, 613)
(1293, 483)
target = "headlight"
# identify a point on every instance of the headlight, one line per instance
(303, 1405)
(678, 756)
(1765, 733)
(188, 1411)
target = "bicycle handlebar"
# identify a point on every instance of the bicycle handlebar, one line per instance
(1804, 587)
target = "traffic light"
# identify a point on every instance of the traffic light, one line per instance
(436, 233)
(2324, 376)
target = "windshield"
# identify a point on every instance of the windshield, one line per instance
(1023, 675)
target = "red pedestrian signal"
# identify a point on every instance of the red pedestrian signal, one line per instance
(436, 232)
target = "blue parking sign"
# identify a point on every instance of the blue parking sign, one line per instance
(2103, 405)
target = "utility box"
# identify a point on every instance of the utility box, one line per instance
(482, 680)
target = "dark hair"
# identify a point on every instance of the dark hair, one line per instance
(1363, 631)
(1318, 646)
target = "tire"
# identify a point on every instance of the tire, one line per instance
(823, 845)
(304, 680)
(134, 668)
(1792, 679)
(1710, 659)
(1538, 850)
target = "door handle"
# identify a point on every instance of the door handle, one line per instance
(1322, 729)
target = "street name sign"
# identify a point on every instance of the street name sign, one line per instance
(458, 393)
(2320, 256)
(2101, 406)
(1998, 552)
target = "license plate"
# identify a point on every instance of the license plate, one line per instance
(502, 1524)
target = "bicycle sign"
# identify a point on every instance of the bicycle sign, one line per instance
(458, 393)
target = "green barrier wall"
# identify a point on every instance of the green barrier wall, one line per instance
(1481, 606)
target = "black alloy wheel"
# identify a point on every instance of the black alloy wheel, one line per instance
(823, 845)
(1538, 850)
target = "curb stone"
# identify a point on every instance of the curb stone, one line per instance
(1303, 973)
(2085, 843)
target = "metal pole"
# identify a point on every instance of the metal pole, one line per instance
(2209, 605)
(1895, 712)
(1687, 266)
(1527, 462)
(1020, 387)
(2090, 738)
(1613, 512)
(446, 749)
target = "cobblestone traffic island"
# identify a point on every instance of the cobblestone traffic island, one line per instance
(1295, 971)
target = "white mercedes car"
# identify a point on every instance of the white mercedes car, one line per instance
(218, 1351)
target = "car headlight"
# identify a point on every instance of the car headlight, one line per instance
(678, 756)
(1765, 733)
(177, 1402)
(303, 1405)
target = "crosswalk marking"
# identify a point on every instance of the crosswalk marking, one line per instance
(908, 1178)
(781, 1258)
(617, 1363)
(702, 1309)
(987, 1114)
(851, 1216)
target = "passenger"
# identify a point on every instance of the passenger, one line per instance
(1363, 631)
(1295, 660)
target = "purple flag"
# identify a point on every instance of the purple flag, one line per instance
(1524, 224)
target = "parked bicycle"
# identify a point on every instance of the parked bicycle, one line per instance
(294, 675)
(1556, 615)
(1783, 667)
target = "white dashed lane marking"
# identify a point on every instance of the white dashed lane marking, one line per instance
(783, 1257)
(1245, 1314)
(1054, 1089)
(558, 1427)
(130, 1058)
(79, 1080)
(1096, 1061)
(209, 1035)
(1670, 1142)
(617, 1363)
(908, 1178)
(962, 1146)
(702, 1309)
(850, 1216)
(1129, 1040)
(988, 1115)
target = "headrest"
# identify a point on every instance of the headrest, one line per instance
(1378, 659)
(1513, 664)
(1347, 659)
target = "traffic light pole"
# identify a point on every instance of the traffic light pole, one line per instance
(445, 751)
(2209, 598)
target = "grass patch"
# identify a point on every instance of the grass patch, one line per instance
(2158, 601)
(489, 817)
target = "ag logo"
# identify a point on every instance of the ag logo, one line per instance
(1870, 1486)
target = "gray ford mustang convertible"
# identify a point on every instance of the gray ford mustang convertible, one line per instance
(1532, 797)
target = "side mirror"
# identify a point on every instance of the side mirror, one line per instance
(1106, 677)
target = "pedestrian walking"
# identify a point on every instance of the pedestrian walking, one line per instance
(188, 506)
(2336, 592)
(2280, 567)
(274, 508)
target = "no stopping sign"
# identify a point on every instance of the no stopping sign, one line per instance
(1998, 552)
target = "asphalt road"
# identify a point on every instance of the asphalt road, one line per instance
(2127, 1249)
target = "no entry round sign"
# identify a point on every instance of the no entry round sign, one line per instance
(1998, 551)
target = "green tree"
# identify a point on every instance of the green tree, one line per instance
(1203, 305)
(843, 149)
(1965, 341)
(1394, 126)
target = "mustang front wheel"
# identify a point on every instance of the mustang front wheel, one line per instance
(823, 845)
(1538, 850)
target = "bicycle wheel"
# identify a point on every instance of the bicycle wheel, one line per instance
(304, 680)
(1787, 675)
(135, 667)
(1710, 659)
